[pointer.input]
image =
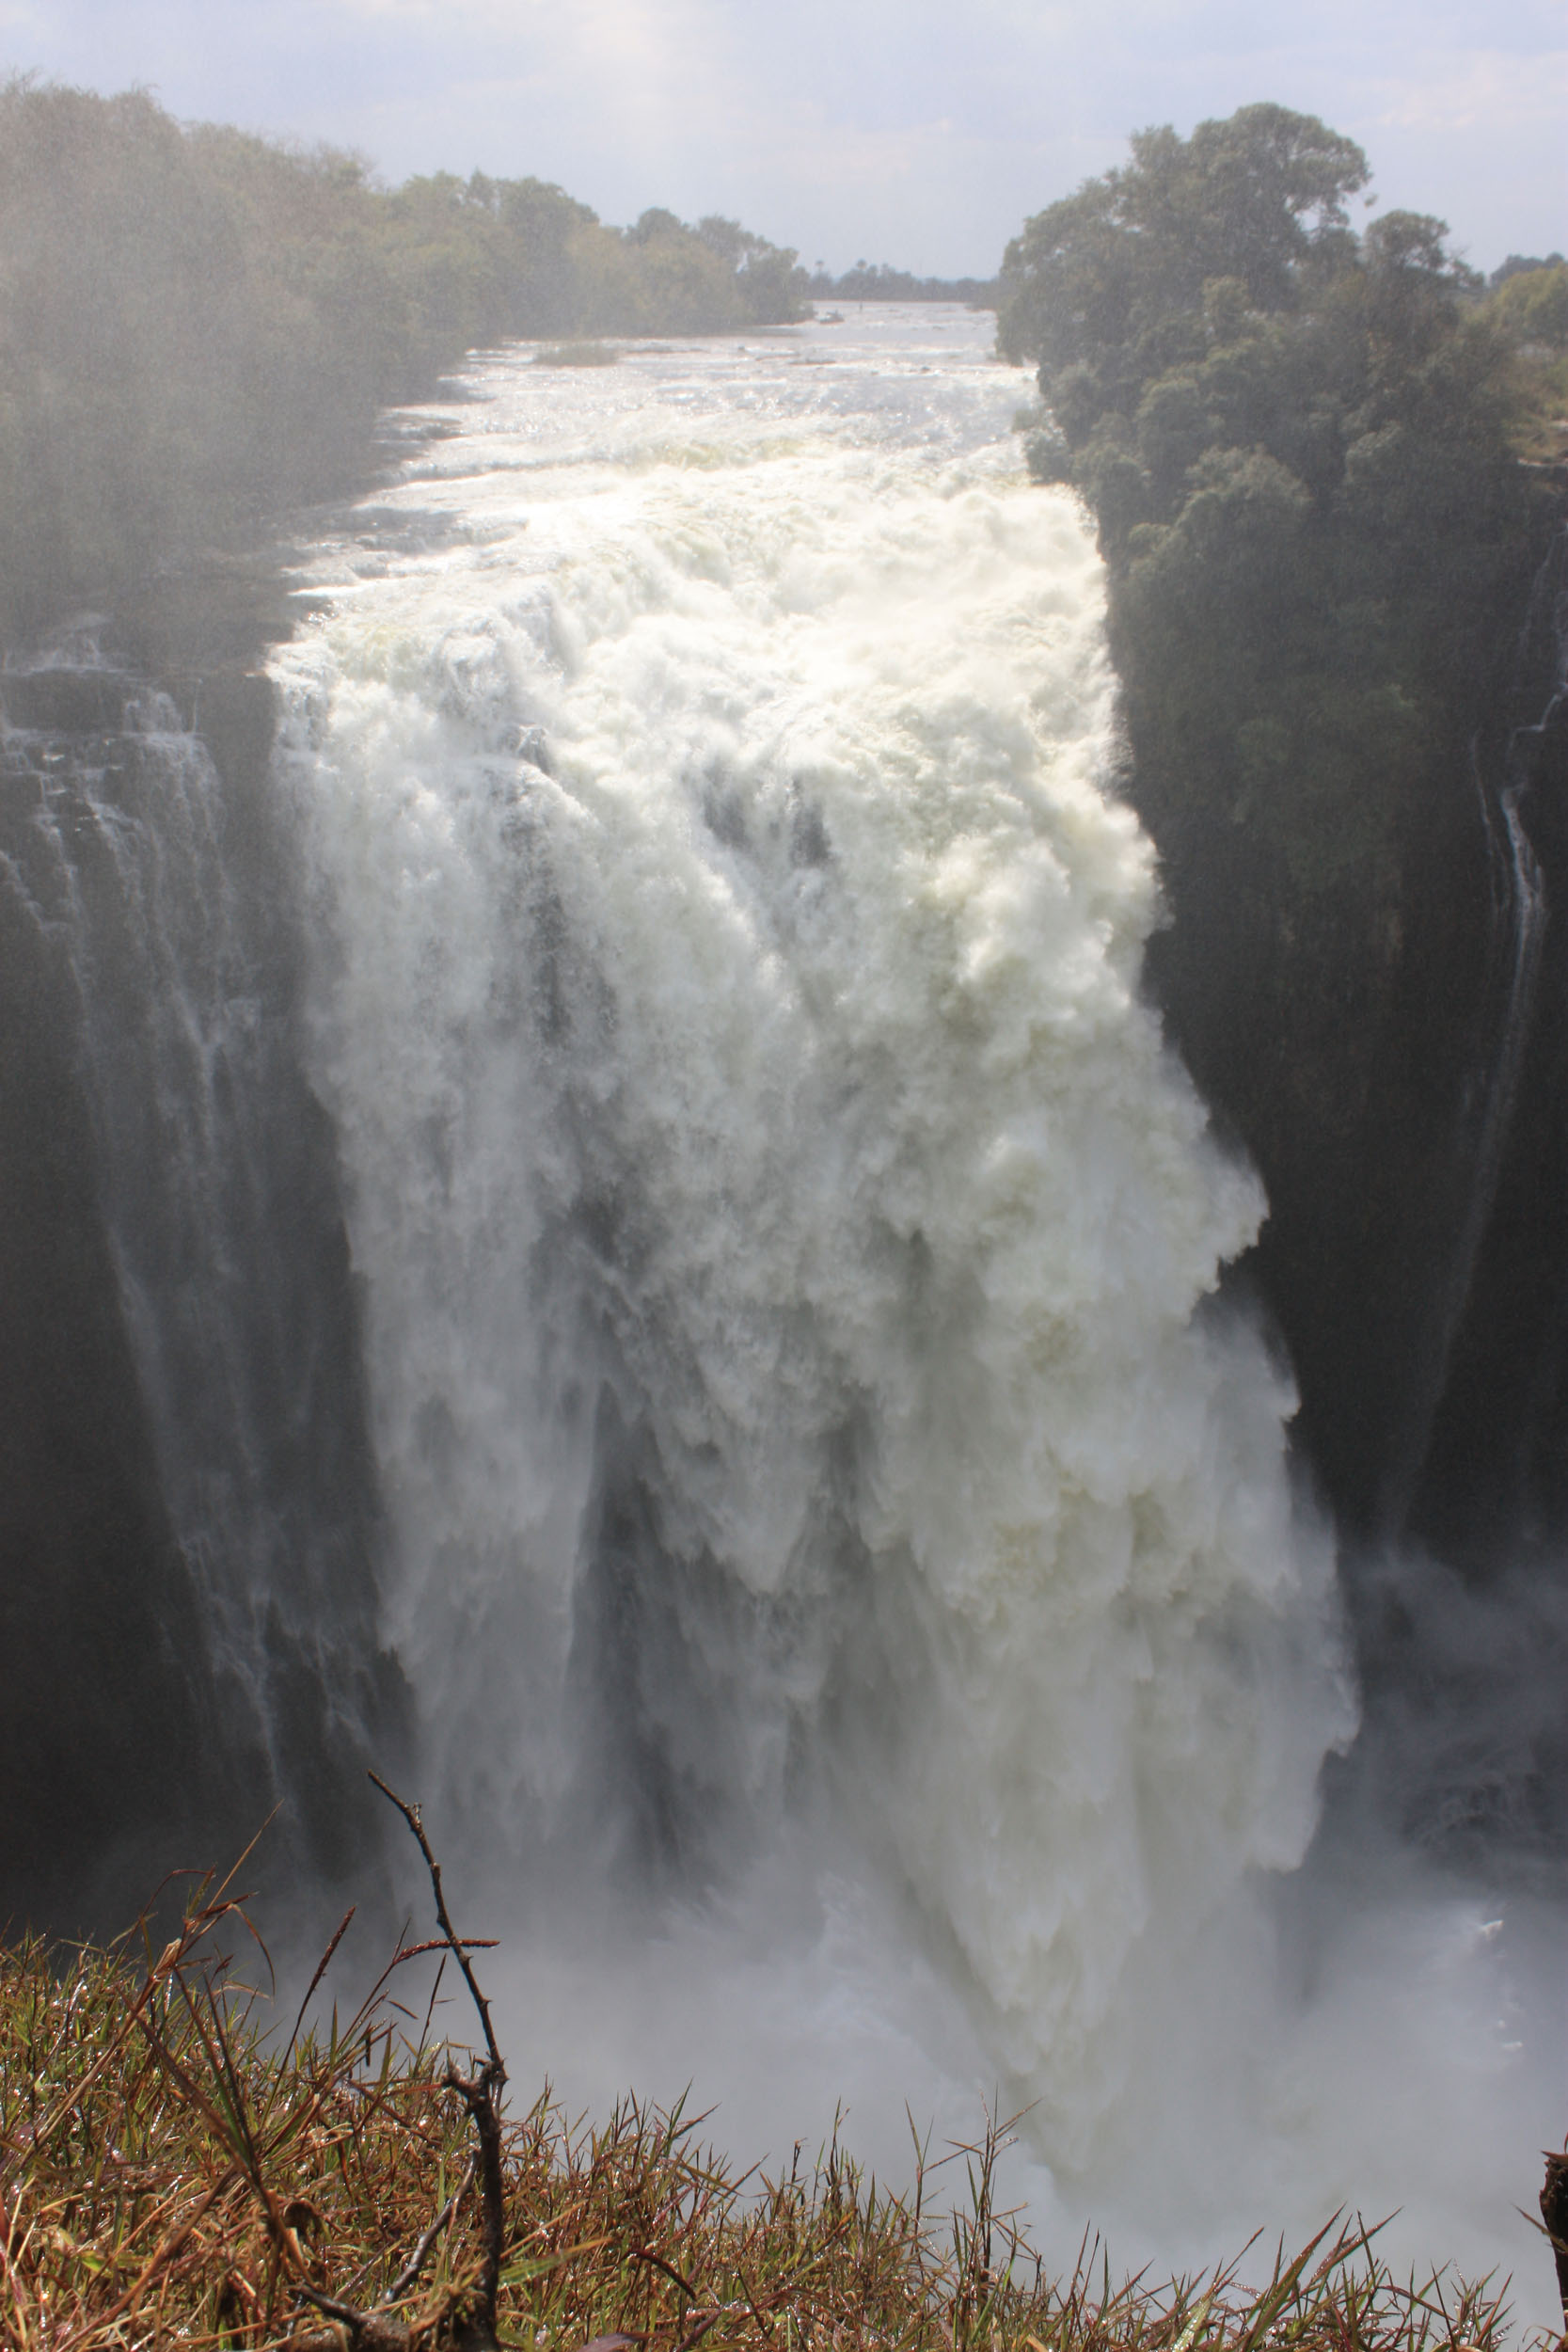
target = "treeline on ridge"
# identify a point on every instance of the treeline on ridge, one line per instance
(1301, 445)
(199, 326)
(878, 281)
(1327, 472)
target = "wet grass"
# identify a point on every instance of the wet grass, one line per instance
(172, 2170)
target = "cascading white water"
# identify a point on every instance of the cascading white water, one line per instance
(788, 1249)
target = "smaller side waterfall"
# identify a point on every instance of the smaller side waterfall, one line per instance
(1521, 912)
(214, 1173)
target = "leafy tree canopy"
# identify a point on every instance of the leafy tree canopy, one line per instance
(1517, 262)
(1298, 446)
(1531, 305)
(199, 326)
(1115, 272)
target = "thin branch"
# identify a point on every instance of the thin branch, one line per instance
(481, 2094)
(646, 2254)
(412, 1815)
(420, 2255)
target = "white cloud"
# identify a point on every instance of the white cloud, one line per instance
(1485, 91)
(916, 130)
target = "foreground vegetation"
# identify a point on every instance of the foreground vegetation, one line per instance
(169, 2175)
(200, 328)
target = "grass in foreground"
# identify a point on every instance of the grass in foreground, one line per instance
(168, 2175)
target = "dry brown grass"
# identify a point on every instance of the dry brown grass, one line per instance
(169, 2175)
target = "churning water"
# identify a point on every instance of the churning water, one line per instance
(842, 1547)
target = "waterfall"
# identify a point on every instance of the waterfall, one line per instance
(789, 1250)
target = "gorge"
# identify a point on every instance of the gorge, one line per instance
(600, 1200)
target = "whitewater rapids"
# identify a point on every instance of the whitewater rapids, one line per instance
(843, 1548)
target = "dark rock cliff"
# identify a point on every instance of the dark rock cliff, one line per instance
(133, 1736)
(1354, 1041)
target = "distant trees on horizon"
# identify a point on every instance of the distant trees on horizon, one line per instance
(877, 282)
(201, 326)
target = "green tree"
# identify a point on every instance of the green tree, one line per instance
(1112, 277)
(1297, 446)
(1532, 307)
(199, 328)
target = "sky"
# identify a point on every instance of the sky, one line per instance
(916, 131)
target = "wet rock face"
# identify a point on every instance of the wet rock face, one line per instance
(1415, 1261)
(1349, 1038)
(104, 1730)
(1495, 1473)
(187, 1510)
(1336, 1040)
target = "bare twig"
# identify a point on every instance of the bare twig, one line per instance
(455, 1943)
(409, 2275)
(1554, 2213)
(475, 2330)
(646, 2254)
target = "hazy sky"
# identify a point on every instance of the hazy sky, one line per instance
(919, 131)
